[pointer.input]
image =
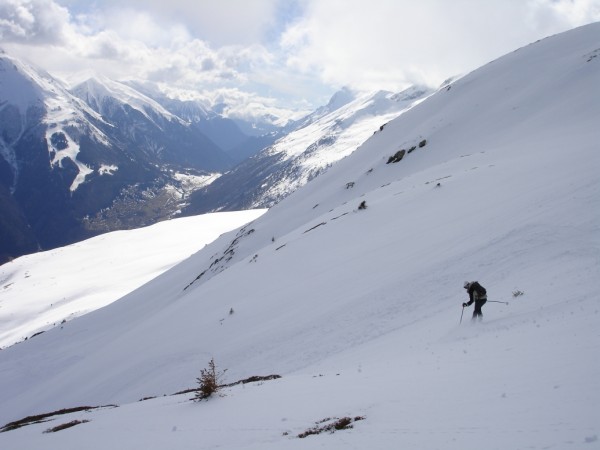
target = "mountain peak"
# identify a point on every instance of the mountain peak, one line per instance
(19, 86)
(97, 89)
(340, 98)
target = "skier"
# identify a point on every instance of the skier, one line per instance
(477, 294)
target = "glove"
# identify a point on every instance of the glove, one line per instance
(465, 305)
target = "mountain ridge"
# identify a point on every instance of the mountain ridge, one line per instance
(323, 137)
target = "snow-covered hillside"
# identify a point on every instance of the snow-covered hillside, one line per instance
(46, 289)
(358, 309)
(333, 137)
(322, 138)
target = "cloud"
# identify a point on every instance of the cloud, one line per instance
(220, 23)
(122, 41)
(250, 106)
(132, 25)
(295, 51)
(574, 12)
(393, 43)
(33, 22)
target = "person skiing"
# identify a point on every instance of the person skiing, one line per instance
(477, 295)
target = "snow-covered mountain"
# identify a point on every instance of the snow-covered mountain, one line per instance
(107, 158)
(31, 97)
(101, 94)
(223, 131)
(42, 165)
(359, 309)
(109, 155)
(143, 123)
(316, 142)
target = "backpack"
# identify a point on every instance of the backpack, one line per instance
(480, 289)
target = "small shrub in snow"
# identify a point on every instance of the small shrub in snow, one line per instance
(423, 143)
(209, 381)
(517, 293)
(363, 205)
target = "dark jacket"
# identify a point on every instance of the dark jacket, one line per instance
(477, 293)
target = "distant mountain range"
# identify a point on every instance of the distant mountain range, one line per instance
(329, 134)
(99, 157)
(107, 155)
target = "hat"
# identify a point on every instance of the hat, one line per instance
(467, 284)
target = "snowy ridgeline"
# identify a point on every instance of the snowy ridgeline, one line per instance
(358, 310)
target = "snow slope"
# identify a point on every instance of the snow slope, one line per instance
(334, 136)
(359, 310)
(41, 290)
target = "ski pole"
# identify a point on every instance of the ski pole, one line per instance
(496, 301)
(461, 315)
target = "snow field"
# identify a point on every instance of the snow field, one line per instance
(41, 290)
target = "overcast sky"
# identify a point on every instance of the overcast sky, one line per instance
(285, 53)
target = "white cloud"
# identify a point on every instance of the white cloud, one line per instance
(221, 23)
(574, 12)
(296, 51)
(248, 105)
(32, 21)
(124, 42)
(391, 43)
